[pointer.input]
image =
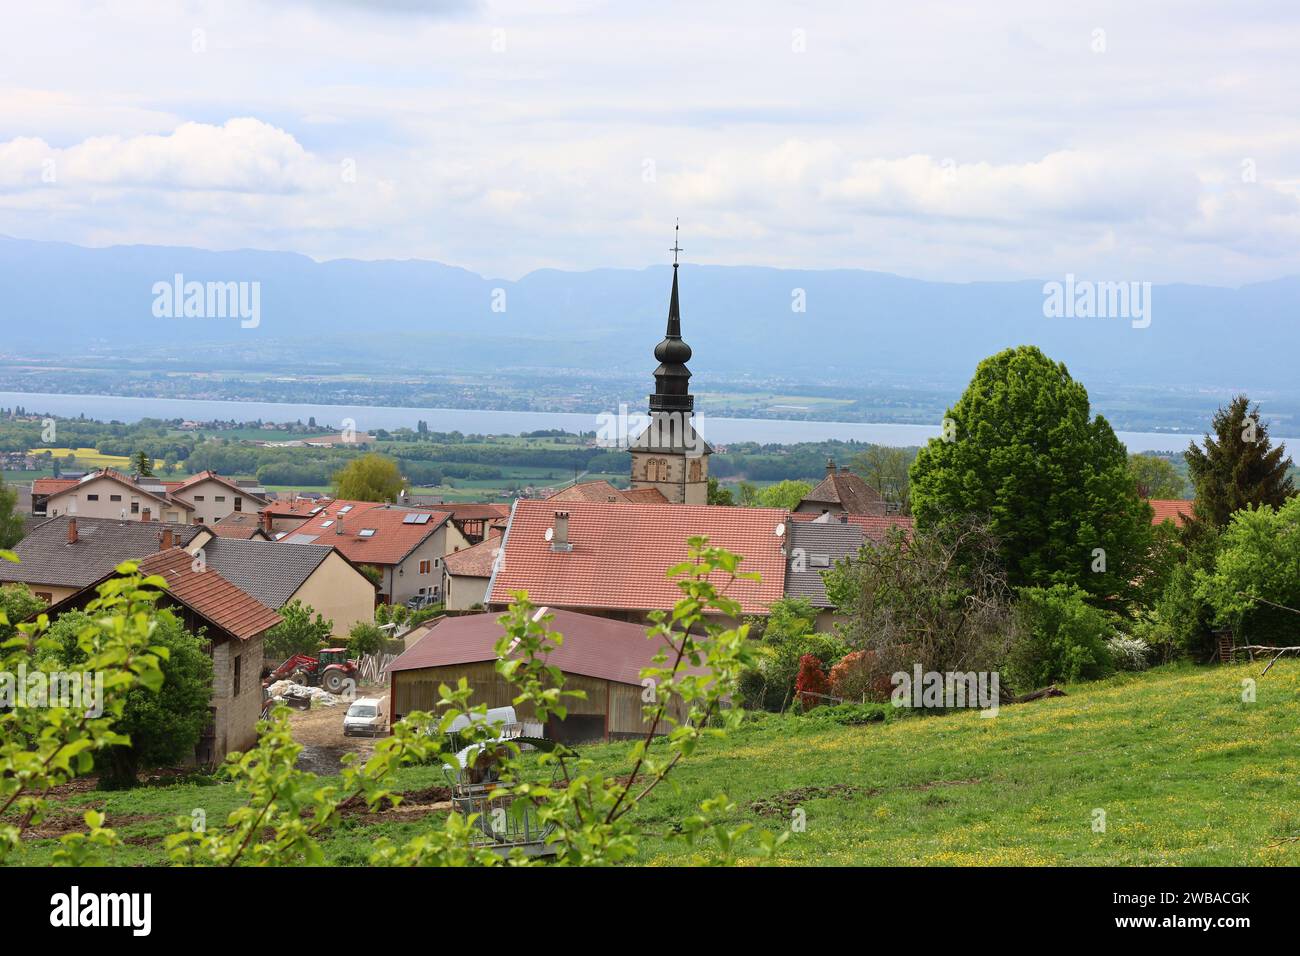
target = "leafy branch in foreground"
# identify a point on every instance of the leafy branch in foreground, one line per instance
(51, 725)
(589, 816)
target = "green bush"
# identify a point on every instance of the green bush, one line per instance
(365, 638)
(1060, 639)
(1129, 653)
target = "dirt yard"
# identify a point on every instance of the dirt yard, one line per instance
(320, 732)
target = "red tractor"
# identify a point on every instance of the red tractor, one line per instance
(330, 669)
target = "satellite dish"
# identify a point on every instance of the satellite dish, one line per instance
(550, 533)
(780, 530)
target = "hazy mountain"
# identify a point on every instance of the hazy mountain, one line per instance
(65, 299)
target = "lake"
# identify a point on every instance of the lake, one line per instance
(477, 421)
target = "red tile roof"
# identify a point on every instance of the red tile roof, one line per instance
(475, 561)
(621, 553)
(211, 475)
(593, 646)
(298, 507)
(209, 594)
(393, 538)
(875, 527)
(52, 486)
(1177, 510)
(471, 510)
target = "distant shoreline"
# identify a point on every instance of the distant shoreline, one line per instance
(492, 422)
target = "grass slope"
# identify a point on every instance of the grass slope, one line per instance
(1186, 772)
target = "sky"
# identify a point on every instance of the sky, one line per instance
(955, 141)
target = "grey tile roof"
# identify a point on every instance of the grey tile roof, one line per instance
(46, 557)
(271, 571)
(815, 547)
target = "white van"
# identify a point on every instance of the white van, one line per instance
(365, 718)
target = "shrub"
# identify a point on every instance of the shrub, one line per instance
(365, 638)
(1061, 638)
(1129, 653)
(851, 715)
(860, 676)
(811, 682)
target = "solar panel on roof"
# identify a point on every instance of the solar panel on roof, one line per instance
(417, 517)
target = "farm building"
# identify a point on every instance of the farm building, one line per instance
(600, 656)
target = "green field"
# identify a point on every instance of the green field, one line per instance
(1186, 772)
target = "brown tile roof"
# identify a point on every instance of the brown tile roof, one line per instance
(210, 595)
(394, 535)
(848, 491)
(621, 553)
(875, 527)
(593, 646)
(1177, 510)
(648, 496)
(475, 561)
(602, 490)
(298, 507)
(237, 524)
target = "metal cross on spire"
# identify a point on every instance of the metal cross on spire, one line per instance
(676, 245)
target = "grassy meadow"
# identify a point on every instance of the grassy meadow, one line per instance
(1186, 772)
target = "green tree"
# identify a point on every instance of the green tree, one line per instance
(46, 747)
(719, 495)
(886, 470)
(747, 494)
(365, 638)
(1238, 466)
(784, 494)
(370, 477)
(1256, 574)
(1061, 638)
(143, 465)
(17, 603)
(1022, 452)
(164, 724)
(298, 632)
(11, 520)
(1156, 477)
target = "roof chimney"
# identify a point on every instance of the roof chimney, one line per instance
(72, 530)
(830, 467)
(167, 541)
(266, 521)
(560, 542)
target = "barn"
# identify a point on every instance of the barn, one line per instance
(600, 656)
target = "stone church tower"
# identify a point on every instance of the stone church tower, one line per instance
(670, 454)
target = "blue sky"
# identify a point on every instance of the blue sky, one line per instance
(1152, 142)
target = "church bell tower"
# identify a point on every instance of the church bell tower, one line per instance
(670, 454)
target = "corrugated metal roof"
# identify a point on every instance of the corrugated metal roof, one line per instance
(593, 646)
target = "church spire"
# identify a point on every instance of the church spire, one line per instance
(672, 377)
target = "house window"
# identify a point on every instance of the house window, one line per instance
(239, 503)
(92, 497)
(198, 497)
(219, 498)
(426, 566)
(198, 520)
(135, 506)
(45, 596)
(114, 497)
(238, 662)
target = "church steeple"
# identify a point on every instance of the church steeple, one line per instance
(672, 377)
